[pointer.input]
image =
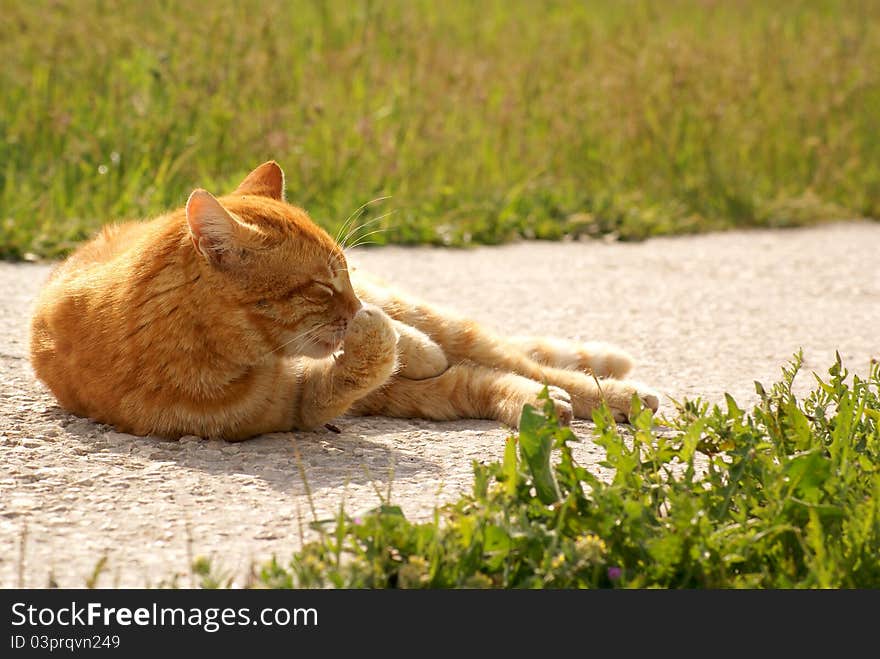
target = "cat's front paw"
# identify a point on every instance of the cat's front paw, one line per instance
(370, 337)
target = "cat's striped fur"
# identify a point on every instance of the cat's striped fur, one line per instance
(237, 316)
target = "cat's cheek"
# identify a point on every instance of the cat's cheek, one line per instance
(314, 351)
(318, 349)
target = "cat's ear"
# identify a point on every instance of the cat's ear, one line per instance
(267, 180)
(214, 232)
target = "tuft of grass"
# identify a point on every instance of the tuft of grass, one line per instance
(99, 569)
(486, 121)
(208, 575)
(786, 495)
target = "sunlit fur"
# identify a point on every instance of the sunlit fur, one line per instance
(237, 315)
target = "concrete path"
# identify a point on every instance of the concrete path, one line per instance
(702, 315)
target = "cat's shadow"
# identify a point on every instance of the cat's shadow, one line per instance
(327, 458)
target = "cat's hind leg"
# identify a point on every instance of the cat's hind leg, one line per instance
(464, 341)
(600, 359)
(587, 392)
(463, 391)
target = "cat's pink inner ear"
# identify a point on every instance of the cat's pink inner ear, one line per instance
(212, 228)
(267, 180)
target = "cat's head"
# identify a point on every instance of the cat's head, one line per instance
(271, 260)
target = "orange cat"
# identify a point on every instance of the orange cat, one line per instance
(237, 316)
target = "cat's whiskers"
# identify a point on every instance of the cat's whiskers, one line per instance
(361, 240)
(358, 227)
(310, 334)
(357, 211)
(342, 229)
(312, 340)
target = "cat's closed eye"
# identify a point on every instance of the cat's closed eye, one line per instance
(325, 288)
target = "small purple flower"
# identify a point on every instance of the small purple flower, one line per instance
(614, 573)
(357, 521)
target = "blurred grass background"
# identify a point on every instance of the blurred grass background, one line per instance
(485, 121)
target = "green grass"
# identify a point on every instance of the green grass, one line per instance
(786, 495)
(485, 121)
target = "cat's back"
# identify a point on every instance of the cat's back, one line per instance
(90, 304)
(112, 242)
